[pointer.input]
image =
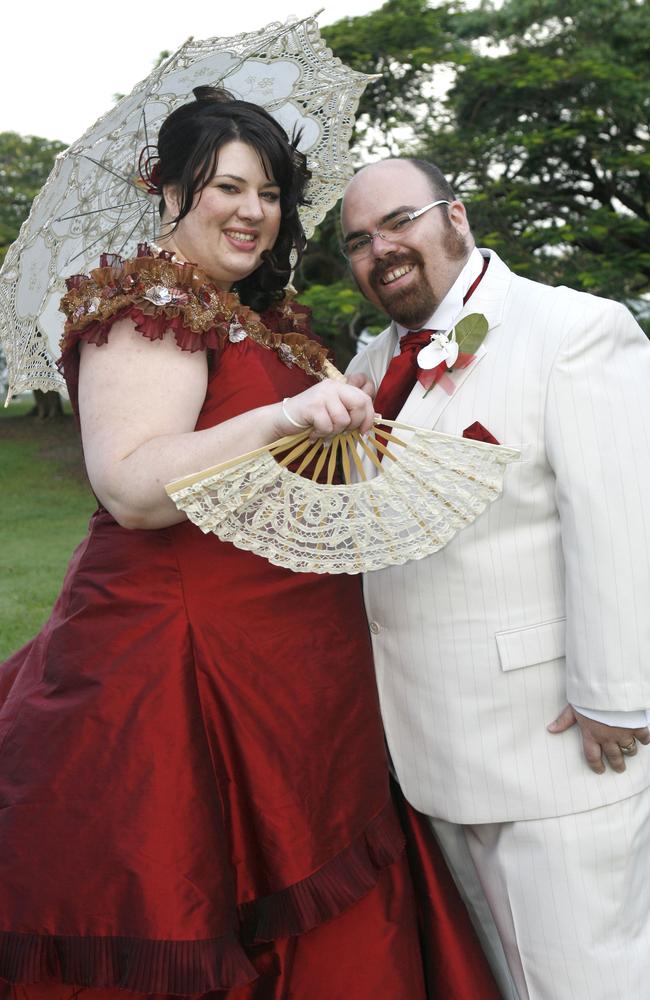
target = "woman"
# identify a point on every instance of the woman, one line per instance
(192, 777)
(191, 765)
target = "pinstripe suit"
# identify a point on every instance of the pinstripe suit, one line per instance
(544, 599)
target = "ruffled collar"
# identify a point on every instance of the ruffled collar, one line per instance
(163, 293)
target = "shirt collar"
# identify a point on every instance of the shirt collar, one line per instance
(447, 312)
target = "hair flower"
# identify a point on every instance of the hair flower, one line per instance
(148, 178)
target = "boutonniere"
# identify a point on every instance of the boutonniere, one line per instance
(456, 348)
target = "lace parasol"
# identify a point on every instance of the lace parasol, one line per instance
(424, 487)
(93, 201)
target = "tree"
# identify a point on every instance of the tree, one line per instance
(25, 162)
(537, 111)
(545, 135)
(339, 311)
(404, 41)
(339, 314)
(409, 43)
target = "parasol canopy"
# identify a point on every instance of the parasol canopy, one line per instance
(94, 200)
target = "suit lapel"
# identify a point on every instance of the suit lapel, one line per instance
(489, 298)
(424, 409)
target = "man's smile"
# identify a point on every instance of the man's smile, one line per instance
(391, 270)
(395, 273)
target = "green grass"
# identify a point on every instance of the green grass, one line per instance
(45, 503)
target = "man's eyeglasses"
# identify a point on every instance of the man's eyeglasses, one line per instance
(359, 246)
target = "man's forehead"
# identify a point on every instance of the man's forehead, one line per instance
(381, 187)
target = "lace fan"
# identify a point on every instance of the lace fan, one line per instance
(426, 487)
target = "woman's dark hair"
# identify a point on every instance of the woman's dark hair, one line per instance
(188, 147)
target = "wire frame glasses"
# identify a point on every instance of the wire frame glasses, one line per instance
(359, 245)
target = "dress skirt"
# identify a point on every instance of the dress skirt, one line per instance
(194, 794)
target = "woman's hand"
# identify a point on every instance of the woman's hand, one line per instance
(139, 401)
(328, 408)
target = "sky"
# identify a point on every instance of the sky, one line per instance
(63, 62)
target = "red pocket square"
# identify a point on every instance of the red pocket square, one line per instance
(477, 432)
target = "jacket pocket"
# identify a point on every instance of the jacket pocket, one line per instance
(523, 647)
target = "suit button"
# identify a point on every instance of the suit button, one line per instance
(374, 627)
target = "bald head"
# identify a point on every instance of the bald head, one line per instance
(438, 185)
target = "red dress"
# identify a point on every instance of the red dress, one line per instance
(191, 758)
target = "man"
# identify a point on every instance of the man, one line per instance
(542, 601)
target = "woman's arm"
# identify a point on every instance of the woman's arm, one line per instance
(138, 403)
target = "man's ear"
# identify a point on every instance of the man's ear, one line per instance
(458, 217)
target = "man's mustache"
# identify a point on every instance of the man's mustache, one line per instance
(383, 265)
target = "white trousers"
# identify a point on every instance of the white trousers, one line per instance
(562, 905)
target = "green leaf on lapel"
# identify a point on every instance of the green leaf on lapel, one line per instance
(471, 332)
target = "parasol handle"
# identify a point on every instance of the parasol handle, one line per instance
(331, 371)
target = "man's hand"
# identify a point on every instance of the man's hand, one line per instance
(601, 742)
(362, 381)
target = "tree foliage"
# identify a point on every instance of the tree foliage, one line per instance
(545, 135)
(408, 44)
(404, 43)
(538, 113)
(339, 314)
(25, 162)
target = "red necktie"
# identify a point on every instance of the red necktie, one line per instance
(401, 374)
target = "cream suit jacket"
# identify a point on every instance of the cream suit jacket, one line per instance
(546, 597)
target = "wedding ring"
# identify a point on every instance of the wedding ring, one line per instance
(287, 415)
(629, 749)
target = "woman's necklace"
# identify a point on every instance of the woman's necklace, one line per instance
(175, 259)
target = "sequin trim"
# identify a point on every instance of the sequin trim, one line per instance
(167, 294)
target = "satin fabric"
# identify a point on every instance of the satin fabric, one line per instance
(401, 374)
(192, 772)
(371, 951)
(455, 965)
(191, 756)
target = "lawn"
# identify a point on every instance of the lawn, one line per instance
(45, 502)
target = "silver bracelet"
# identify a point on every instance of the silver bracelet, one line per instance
(288, 416)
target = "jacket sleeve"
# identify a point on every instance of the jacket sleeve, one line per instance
(598, 444)
(374, 360)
